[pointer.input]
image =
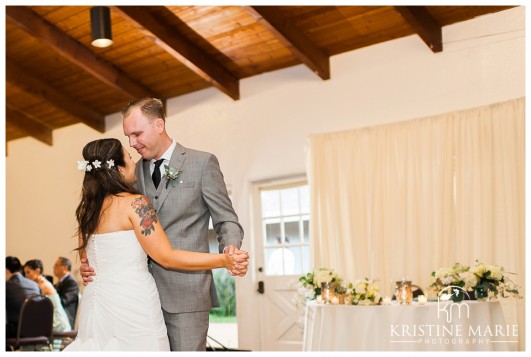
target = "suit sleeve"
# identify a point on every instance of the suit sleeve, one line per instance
(69, 292)
(214, 191)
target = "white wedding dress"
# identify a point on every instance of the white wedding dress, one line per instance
(120, 310)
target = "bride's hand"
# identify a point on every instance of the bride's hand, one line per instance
(86, 271)
(238, 262)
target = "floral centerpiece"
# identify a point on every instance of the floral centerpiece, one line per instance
(363, 292)
(492, 281)
(480, 281)
(456, 275)
(310, 284)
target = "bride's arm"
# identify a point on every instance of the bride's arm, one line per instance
(155, 243)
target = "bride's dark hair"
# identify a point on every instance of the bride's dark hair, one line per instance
(99, 183)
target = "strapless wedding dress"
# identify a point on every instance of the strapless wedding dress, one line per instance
(120, 310)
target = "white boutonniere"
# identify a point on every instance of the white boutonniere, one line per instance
(171, 174)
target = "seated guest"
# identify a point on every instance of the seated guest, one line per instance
(34, 270)
(66, 287)
(18, 288)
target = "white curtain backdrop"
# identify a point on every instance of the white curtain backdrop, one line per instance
(404, 199)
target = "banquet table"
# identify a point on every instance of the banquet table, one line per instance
(435, 326)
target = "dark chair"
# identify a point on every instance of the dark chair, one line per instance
(416, 291)
(35, 324)
(63, 339)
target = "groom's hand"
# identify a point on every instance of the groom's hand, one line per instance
(242, 259)
(86, 271)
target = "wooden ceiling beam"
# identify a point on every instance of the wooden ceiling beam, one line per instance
(424, 25)
(74, 52)
(29, 125)
(282, 28)
(182, 49)
(19, 77)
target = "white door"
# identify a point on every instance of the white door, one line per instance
(282, 251)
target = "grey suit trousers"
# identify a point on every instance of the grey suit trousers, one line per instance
(187, 331)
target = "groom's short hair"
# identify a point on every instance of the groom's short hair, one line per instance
(152, 108)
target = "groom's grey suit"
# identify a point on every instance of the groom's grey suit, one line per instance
(184, 209)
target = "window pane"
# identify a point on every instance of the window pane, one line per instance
(285, 222)
(306, 258)
(283, 261)
(272, 232)
(270, 203)
(295, 266)
(290, 201)
(304, 192)
(292, 234)
(306, 230)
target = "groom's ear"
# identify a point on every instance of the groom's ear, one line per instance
(159, 125)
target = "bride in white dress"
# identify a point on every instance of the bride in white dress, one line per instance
(120, 310)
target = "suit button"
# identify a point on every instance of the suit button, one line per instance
(156, 197)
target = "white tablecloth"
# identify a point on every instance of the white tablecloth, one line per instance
(469, 326)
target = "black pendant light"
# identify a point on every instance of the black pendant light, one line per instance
(100, 20)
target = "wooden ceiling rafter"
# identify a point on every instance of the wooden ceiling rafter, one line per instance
(182, 49)
(29, 125)
(282, 28)
(76, 53)
(169, 51)
(423, 23)
(20, 78)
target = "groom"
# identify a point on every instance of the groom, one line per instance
(190, 192)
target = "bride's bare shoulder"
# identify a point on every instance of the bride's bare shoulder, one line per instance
(135, 200)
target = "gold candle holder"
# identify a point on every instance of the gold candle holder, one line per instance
(403, 292)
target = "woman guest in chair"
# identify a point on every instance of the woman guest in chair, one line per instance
(33, 270)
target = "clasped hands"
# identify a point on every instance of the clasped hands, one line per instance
(240, 258)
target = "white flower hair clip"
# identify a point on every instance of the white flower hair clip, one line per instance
(83, 165)
(96, 163)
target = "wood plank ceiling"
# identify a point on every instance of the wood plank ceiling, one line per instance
(55, 78)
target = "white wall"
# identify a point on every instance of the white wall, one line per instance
(264, 134)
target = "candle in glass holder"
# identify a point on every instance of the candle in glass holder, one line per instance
(386, 300)
(319, 299)
(422, 300)
(335, 300)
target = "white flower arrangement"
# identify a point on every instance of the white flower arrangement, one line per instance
(171, 174)
(324, 275)
(485, 281)
(309, 285)
(363, 292)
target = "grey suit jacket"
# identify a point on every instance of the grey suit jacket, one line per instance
(18, 288)
(184, 209)
(68, 291)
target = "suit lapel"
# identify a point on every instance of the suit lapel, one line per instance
(177, 160)
(141, 167)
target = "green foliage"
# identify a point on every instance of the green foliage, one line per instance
(225, 286)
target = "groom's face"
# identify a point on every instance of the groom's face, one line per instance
(143, 134)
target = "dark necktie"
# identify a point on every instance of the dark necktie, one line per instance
(156, 173)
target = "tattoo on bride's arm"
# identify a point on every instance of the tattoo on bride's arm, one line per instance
(147, 214)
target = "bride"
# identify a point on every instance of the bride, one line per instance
(118, 229)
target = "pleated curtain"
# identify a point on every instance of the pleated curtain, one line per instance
(404, 199)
